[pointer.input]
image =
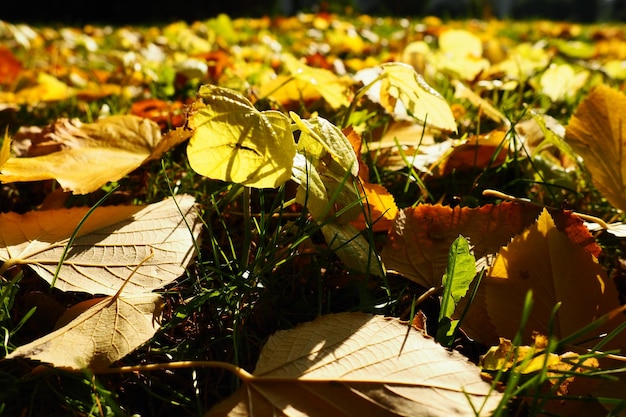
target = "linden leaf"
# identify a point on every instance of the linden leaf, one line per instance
(105, 331)
(156, 239)
(399, 81)
(319, 137)
(477, 153)
(91, 154)
(460, 52)
(546, 261)
(352, 248)
(560, 81)
(359, 364)
(330, 86)
(418, 243)
(404, 94)
(379, 206)
(596, 132)
(235, 142)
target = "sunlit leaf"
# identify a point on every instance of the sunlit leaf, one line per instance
(157, 239)
(235, 142)
(418, 243)
(404, 94)
(596, 132)
(330, 86)
(546, 261)
(359, 364)
(106, 330)
(89, 155)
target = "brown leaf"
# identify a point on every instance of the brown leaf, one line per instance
(418, 243)
(546, 261)
(113, 241)
(88, 155)
(596, 132)
(359, 364)
(477, 153)
(106, 330)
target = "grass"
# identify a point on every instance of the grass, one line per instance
(263, 265)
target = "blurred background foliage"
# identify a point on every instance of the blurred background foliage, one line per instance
(149, 12)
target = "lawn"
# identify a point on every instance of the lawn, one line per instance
(313, 215)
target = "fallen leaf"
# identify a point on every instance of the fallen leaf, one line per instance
(47, 88)
(89, 155)
(359, 364)
(106, 330)
(477, 153)
(112, 242)
(352, 248)
(546, 261)
(379, 206)
(404, 94)
(460, 52)
(596, 132)
(330, 86)
(10, 67)
(418, 243)
(560, 81)
(235, 142)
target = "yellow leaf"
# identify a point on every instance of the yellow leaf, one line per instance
(48, 88)
(352, 364)
(560, 81)
(596, 132)
(93, 153)
(285, 89)
(5, 150)
(330, 86)
(460, 52)
(460, 43)
(235, 142)
(399, 81)
(102, 334)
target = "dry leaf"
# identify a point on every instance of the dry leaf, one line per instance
(477, 153)
(93, 154)
(596, 132)
(545, 260)
(379, 206)
(418, 243)
(359, 364)
(106, 330)
(110, 245)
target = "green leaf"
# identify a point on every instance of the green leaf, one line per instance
(235, 142)
(456, 281)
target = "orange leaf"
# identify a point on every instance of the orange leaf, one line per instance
(10, 67)
(479, 152)
(163, 113)
(380, 209)
(418, 242)
(545, 260)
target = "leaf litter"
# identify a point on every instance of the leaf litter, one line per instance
(241, 132)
